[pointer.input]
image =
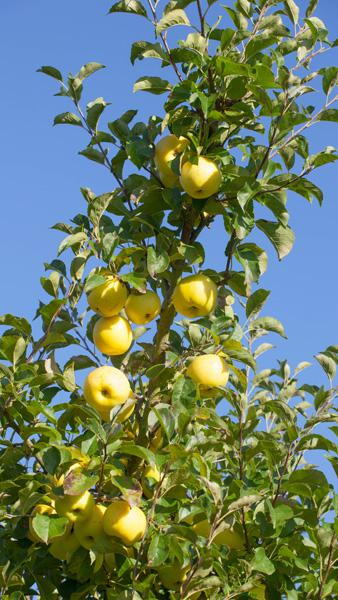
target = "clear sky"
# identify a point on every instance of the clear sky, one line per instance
(42, 173)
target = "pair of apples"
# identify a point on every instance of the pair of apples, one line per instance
(200, 179)
(88, 521)
(107, 387)
(112, 333)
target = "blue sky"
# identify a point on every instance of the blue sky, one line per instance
(42, 173)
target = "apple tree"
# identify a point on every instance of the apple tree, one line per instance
(145, 453)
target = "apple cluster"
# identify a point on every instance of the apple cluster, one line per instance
(89, 522)
(106, 388)
(112, 333)
(200, 178)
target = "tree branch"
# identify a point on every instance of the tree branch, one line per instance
(230, 251)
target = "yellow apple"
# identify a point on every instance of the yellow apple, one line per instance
(112, 335)
(166, 151)
(75, 508)
(65, 546)
(200, 180)
(142, 308)
(150, 477)
(108, 298)
(195, 296)
(208, 370)
(106, 387)
(88, 531)
(171, 576)
(228, 537)
(41, 509)
(124, 522)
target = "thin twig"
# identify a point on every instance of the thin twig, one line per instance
(328, 567)
(305, 126)
(201, 16)
(230, 250)
(41, 341)
(164, 41)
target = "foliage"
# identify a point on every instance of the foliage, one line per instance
(240, 97)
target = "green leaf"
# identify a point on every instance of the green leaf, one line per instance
(135, 280)
(56, 265)
(51, 71)
(262, 563)
(225, 67)
(166, 418)
(195, 41)
(315, 441)
(76, 482)
(158, 550)
(51, 459)
(19, 349)
(94, 111)
(81, 361)
(129, 6)
(327, 363)
(267, 324)
(253, 259)
(262, 348)
(48, 527)
(154, 85)
(72, 240)
(156, 263)
(174, 17)
(281, 237)
(280, 408)
(139, 152)
(259, 43)
(311, 8)
(88, 69)
(67, 118)
(330, 78)
(18, 323)
(301, 186)
(94, 155)
(94, 280)
(192, 253)
(330, 114)
(96, 208)
(236, 351)
(238, 19)
(184, 392)
(139, 451)
(307, 482)
(256, 302)
(292, 10)
(141, 50)
(236, 281)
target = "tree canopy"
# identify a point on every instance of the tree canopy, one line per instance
(210, 457)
